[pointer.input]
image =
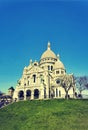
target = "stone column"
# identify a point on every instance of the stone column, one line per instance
(32, 94)
(24, 95)
(41, 94)
(55, 92)
(58, 92)
(48, 85)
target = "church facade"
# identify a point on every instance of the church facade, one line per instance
(42, 80)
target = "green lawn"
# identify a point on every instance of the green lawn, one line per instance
(45, 115)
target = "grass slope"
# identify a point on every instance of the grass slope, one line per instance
(45, 115)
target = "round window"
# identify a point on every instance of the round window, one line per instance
(57, 81)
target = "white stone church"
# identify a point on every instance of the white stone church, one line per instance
(42, 80)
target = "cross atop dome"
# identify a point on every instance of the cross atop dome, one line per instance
(48, 45)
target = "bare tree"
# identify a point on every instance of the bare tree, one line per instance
(86, 85)
(67, 83)
(81, 84)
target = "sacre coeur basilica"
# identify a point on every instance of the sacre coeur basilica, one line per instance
(42, 80)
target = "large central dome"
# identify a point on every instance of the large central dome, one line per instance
(48, 53)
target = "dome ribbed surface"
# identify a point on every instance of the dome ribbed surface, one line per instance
(48, 54)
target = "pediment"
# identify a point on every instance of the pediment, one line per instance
(35, 69)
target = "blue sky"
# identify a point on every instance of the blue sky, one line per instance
(27, 26)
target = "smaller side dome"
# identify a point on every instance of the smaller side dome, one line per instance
(59, 65)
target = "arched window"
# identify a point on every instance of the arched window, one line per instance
(51, 67)
(25, 84)
(48, 67)
(28, 94)
(44, 92)
(62, 72)
(21, 95)
(57, 72)
(36, 94)
(56, 92)
(49, 93)
(59, 93)
(34, 78)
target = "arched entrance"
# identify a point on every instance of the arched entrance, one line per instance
(28, 94)
(21, 95)
(52, 93)
(36, 94)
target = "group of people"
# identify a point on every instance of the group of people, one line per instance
(5, 100)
